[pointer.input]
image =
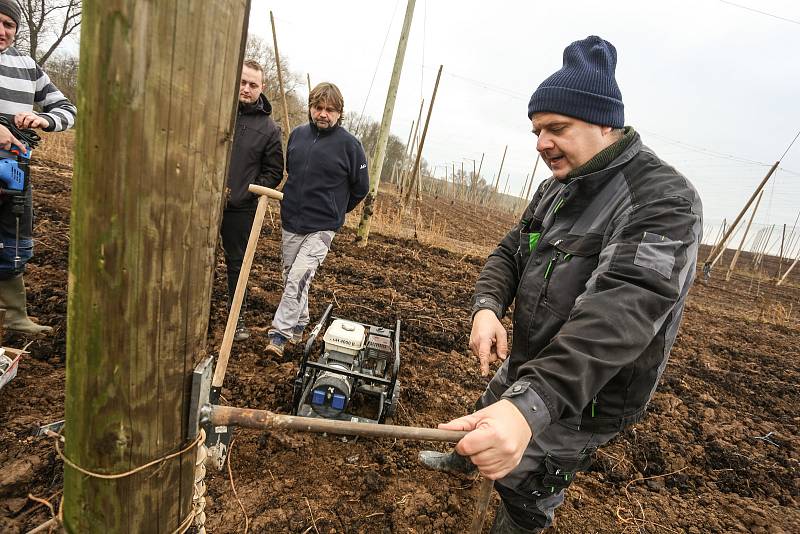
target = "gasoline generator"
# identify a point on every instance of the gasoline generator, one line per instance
(352, 374)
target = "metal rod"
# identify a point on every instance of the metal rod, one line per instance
(263, 419)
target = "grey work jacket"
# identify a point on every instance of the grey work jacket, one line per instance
(598, 269)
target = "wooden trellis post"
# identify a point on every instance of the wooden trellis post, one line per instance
(407, 196)
(376, 163)
(741, 243)
(719, 248)
(287, 128)
(146, 203)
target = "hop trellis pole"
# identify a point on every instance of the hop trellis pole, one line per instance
(145, 216)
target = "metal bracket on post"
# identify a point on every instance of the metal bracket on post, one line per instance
(217, 437)
(201, 388)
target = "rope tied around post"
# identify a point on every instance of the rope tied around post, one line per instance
(58, 437)
(198, 502)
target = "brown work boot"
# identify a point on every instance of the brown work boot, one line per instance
(241, 333)
(297, 334)
(276, 345)
(13, 300)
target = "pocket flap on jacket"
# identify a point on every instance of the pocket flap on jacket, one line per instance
(583, 245)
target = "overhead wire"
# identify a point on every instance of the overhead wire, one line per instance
(761, 12)
(377, 65)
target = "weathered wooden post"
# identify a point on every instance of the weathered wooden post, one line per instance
(407, 197)
(287, 128)
(154, 131)
(376, 162)
(744, 237)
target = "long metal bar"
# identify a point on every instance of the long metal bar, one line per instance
(265, 420)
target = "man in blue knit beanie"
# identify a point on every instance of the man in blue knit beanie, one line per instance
(597, 269)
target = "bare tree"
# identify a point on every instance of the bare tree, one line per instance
(45, 24)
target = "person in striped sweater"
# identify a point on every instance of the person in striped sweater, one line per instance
(23, 85)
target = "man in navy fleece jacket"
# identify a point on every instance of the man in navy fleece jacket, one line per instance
(327, 177)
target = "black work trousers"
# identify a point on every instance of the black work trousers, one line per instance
(235, 231)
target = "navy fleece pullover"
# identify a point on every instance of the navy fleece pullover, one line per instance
(327, 178)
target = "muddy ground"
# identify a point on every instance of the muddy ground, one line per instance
(718, 452)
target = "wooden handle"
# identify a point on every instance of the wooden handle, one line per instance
(263, 419)
(484, 496)
(265, 191)
(241, 285)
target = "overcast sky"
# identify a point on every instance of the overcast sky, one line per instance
(713, 88)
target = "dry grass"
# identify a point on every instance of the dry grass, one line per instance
(58, 146)
(388, 220)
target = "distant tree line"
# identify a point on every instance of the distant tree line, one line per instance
(46, 24)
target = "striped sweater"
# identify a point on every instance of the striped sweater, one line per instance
(24, 84)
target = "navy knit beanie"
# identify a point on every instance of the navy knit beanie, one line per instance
(585, 87)
(10, 8)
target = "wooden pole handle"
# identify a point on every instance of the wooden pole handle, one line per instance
(241, 285)
(265, 191)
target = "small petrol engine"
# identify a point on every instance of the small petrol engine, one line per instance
(356, 361)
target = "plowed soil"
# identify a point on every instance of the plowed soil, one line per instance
(718, 452)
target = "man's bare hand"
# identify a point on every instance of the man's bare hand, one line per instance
(26, 119)
(488, 339)
(7, 140)
(497, 439)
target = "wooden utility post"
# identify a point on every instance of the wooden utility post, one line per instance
(528, 193)
(146, 202)
(402, 161)
(410, 146)
(497, 182)
(287, 128)
(741, 243)
(780, 254)
(763, 251)
(376, 164)
(716, 252)
(407, 196)
(786, 274)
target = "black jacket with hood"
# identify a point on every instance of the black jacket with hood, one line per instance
(256, 156)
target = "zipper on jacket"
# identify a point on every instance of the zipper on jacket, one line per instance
(305, 170)
(549, 271)
(594, 405)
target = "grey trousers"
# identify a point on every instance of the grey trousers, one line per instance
(535, 488)
(301, 255)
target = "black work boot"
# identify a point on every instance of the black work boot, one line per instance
(503, 524)
(449, 462)
(241, 332)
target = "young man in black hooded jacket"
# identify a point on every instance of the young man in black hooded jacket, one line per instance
(256, 158)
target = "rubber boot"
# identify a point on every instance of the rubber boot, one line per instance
(503, 524)
(12, 298)
(241, 333)
(449, 462)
